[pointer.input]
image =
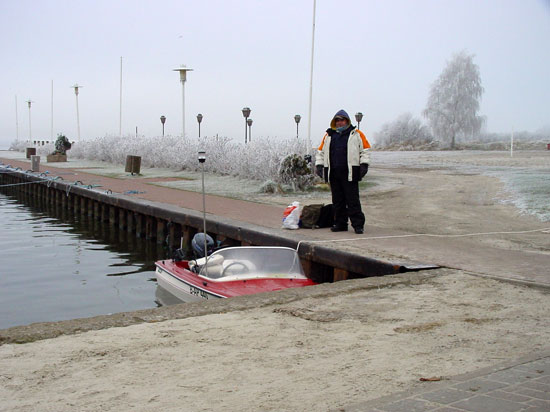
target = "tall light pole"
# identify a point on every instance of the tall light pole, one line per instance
(183, 77)
(51, 119)
(76, 87)
(297, 119)
(311, 80)
(120, 102)
(162, 120)
(199, 119)
(246, 113)
(16, 120)
(358, 117)
(29, 102)
(249, 123)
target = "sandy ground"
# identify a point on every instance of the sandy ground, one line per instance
(313, 354)
(316, 353)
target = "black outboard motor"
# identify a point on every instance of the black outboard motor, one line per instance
(179, 255)
(197, 244)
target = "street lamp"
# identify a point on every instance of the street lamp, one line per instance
(76, 87)
(249, 123)
(29, 102)
(163, 120)
(297, 120)
(246, 113)
(199, 119)
(183, 77)
(358, 117)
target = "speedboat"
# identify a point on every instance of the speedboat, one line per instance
(232, 271)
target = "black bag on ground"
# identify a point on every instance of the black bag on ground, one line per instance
(317, 216)
(310, 215)
(326, 217)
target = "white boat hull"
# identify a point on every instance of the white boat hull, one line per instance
(181, 289)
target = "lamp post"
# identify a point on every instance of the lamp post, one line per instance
(297, 120)
(249, 123)
(246, 113)
(29, 102)
(16, 120)
(183, 77)
(202, 159)
(199, 119)
(358, 117)
(76, 87)
(163, 120)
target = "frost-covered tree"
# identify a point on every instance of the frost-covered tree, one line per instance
(404, 132)
(454, 99)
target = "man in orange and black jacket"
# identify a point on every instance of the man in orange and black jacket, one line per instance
(343, 160)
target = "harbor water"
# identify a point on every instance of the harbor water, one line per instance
(56, 266)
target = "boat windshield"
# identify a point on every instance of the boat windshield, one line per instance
(253, 262)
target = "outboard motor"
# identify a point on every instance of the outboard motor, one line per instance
(179, 255)
(197, 244)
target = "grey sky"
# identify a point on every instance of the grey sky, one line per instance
(378, 57)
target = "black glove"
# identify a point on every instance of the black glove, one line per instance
(364, 168)
(319, 170)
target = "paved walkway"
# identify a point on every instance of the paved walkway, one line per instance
(522, 385)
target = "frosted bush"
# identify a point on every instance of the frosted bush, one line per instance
(258, 160)
(270, 186)
(405, 133)
(295, 171)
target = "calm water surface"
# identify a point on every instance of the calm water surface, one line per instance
(55, 266)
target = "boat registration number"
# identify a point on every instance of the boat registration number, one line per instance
(198, 292)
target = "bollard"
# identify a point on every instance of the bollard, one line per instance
(35, 163)
(29, 151)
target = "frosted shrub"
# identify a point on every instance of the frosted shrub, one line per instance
(21, 145)
(270, 187)
(405, 133)
(294, 170)
(258, 160)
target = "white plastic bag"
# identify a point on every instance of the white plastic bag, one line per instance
(291, 216)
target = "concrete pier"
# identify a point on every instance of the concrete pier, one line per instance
(154, 220)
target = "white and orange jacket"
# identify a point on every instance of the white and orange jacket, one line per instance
(358, 152)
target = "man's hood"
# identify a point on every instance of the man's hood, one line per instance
(340, 113)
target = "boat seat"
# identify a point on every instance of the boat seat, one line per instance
(212, 271)
(197, 265)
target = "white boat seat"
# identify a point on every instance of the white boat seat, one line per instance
(212, 271)
(214, 260)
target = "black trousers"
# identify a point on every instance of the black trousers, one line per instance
(345, 200)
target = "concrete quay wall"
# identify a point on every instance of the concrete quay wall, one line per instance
(161, 222)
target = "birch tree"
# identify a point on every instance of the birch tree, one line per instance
(454, 100)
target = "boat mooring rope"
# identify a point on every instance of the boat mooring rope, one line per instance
(519, 232)
(48, 179)
(20, 184)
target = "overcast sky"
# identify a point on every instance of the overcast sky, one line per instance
(377, 57)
